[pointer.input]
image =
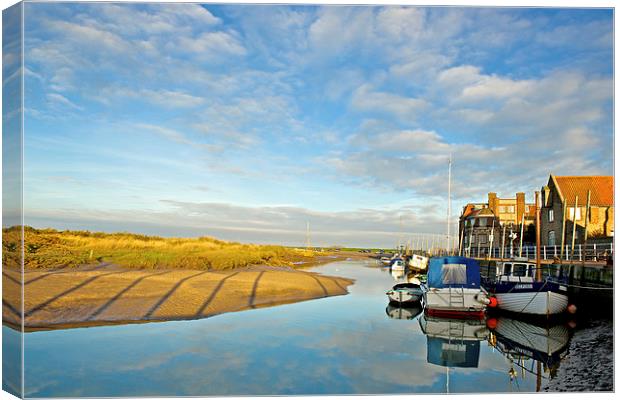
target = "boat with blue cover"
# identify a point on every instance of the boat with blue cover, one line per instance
(453, 288)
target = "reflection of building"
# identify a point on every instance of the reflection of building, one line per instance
(479, 220)
(561, 189)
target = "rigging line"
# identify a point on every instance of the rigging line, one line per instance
(533, 297)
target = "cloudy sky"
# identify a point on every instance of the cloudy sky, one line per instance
(246, 122)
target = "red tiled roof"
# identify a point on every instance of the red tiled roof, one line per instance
(601, 189)
(468, 210)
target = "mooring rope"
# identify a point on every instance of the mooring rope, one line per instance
(583, 287)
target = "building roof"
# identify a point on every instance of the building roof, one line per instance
(479, 212)
(601, 189)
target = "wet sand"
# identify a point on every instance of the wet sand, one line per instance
(105, 294)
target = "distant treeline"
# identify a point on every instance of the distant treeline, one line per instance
(50, 248)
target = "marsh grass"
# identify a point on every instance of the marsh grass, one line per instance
(49, 248)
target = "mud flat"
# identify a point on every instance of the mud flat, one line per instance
(106, 294)
(589, 365)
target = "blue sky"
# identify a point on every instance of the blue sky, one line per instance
(244, 122)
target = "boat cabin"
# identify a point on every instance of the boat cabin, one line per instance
(516, 271)
(522, 270)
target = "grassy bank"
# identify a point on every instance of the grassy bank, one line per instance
(49, 248)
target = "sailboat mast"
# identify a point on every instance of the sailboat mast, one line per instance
(449, 199)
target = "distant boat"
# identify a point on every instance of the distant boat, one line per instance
(403, 311)
(453, 288)
(517, 290)
(405, 293)
(398, 264)
(417, 262)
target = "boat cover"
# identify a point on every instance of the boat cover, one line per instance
(453, 272)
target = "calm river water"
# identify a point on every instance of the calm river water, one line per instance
(338, 345)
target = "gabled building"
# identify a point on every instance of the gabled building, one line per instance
(560, 189)
(481, 224)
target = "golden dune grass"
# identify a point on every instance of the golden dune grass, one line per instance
(49, 248)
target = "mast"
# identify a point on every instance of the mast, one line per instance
(538, 271)
(449, 199)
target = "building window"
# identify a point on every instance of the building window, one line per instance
(571, 213)
(506, 209)
(551, 238)
(482, 222)
(551, 215)
(482, 239)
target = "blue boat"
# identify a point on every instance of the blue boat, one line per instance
(517, 290)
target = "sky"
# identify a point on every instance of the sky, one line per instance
(248, 122)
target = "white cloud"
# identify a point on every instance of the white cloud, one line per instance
(59, 99)
(210, 44)
(366, 99)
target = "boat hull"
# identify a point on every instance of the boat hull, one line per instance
(536, 303)
(438, 302)
(405, 293)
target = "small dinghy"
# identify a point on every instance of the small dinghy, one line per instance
(405, 293)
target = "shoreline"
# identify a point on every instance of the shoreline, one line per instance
(105, 294)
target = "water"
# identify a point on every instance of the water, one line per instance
(337, 345)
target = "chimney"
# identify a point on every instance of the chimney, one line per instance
(520, 206)
(493, 202)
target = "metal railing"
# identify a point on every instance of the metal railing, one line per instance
(589, 252)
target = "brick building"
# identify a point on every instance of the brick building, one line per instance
(562, 189)
(479, 220)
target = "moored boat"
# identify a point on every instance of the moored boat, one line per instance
(517, 290)
(405, 293)
(453, 288)
(417, 262)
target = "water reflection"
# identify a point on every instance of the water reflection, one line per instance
(530, 347)
(453, 342)
(336, 345)
(396, 311)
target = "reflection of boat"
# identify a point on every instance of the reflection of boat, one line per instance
(453, 342)
(397, 274)
(402, 312)
(405, 293)
(517, 289)
(453, 288)
(526, 340)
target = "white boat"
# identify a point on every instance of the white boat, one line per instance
(417, 262)
(516, 289)
(453, 288)
(398, 265)
(405, 293)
